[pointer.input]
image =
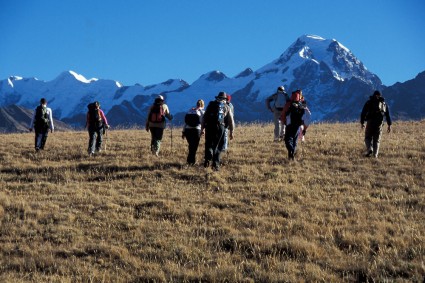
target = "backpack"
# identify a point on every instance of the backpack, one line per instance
(41, 117)
(281, 99)
(193, 118)
(296, 112)
(214, 115)
(378, 107)
(94, 116)
(157, 113)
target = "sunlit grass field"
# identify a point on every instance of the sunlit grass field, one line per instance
(127, 216)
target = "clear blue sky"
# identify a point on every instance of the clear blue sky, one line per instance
(150, 41)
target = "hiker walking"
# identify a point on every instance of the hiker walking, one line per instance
(155, 122)
(373, 112)
(192, 130)
(96, 124)
(217, 117)
(279, 98)
(226, 130)
(41, 122)
(294, 115)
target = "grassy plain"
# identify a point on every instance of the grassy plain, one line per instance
(128, 216)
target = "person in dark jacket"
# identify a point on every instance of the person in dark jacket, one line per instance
(41, 122)
(217, 118)
(373, 112)
(96, 124)
(192, 130)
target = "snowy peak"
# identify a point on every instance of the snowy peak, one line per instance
(71, 75)
(214, 76)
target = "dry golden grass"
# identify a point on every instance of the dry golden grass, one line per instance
(127, 216)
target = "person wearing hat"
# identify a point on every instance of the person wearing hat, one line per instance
(96, 124)
(279, 99)
(217, 118)
(373, 112)
(295, 115)
(155, 122)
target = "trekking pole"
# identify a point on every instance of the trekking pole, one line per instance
(106, 139)
(171, 126)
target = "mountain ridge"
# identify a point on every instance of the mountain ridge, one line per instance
(335, 82)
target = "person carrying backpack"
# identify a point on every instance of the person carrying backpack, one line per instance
(279, 98)
(226, 130)
(217, 118)
(373, 112)
(294, 115)
(192, 130)
(155, 122)
(96, 124)
(41, 122)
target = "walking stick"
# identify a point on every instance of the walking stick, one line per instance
(106, 138)
(171, 126)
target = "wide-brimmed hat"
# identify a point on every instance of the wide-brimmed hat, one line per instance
(221, 95)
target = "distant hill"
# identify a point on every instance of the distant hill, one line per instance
(15, 118)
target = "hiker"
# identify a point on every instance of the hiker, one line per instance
(155, 122)
(192, 130)
(294, 115)
(41, 122)
(226, 130)
(373, 113)
(280, 97)
(217, 117)
(96, 124)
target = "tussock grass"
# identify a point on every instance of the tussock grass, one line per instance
(128, 216)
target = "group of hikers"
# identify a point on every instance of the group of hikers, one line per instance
(291, 117)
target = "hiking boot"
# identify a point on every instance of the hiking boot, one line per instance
(37, 148)
(216, 168)
(368, 154)
(276, 140)
(206, 164)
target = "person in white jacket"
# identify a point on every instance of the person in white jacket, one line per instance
(41, 122)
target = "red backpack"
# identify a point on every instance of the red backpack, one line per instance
(157, 113)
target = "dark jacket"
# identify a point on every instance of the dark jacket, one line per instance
(374, 110)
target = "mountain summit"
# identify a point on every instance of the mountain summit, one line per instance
(334, 81)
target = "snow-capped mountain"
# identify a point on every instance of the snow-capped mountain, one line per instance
(334, 82)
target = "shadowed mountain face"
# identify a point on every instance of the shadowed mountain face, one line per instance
(335, 84)
(17, 119)
(407, 99)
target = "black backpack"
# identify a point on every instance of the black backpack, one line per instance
(214, 115)
(193, 118)
(296, 112)
(41, 117)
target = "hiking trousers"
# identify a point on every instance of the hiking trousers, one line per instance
(213, 143)
(291, 139)
(373, 133)
(95, 140)
(156, 138)
(40, 138)
(279, 127)
(193, 136)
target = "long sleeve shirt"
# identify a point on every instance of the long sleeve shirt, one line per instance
(50, 115)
